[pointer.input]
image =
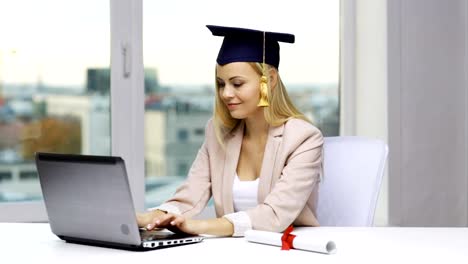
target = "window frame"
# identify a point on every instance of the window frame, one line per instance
(127, 92)
(347, 81)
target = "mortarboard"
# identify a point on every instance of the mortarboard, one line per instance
(249, 45)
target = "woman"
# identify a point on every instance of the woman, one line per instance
(261, 159)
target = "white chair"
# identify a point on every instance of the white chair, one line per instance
(353, 170)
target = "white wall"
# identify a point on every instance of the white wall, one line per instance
(407, 85)
(427, 106)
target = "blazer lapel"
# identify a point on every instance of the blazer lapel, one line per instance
(231, 158)
(269, 161)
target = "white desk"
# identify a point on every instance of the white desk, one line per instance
(34, 243)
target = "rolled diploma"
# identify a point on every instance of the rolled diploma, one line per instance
(302, 241)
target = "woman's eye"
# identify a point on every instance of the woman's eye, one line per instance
(220, 85)
(237, 85)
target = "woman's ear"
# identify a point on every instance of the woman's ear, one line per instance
(273, 77)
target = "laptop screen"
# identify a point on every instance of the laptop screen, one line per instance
(88, 197)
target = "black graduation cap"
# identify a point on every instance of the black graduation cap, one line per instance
(249, 45)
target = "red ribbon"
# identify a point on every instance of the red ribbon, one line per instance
(287, 239)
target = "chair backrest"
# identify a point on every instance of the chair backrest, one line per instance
(353, 170)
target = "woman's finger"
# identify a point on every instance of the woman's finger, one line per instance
(156, 222)
(178, 221)
(166, 219)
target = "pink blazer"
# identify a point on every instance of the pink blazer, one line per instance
(288, 184)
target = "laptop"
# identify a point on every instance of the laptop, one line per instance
(88, 201)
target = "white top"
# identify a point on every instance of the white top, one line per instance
(244, 194)
(244, 197)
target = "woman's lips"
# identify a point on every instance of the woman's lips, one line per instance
(232, 106)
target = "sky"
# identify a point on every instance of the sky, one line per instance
(55, 41)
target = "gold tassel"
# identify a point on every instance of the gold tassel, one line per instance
(263, 92)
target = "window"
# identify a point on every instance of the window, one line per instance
(54, 86)
(182, 135)
(6, 176)
(54, 80)
(199, 132)
(182, 56)
(28, 175)
(182, 168)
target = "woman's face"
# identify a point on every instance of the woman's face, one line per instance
(239, 85)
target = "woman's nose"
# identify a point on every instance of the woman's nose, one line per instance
(228, 92)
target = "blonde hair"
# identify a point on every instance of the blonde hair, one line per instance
(281, 108)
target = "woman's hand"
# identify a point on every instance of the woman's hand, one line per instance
(180, 224)
(144, 219)
(177, 224)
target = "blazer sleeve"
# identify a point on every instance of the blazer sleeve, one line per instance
(299, 178)
(192, 196)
